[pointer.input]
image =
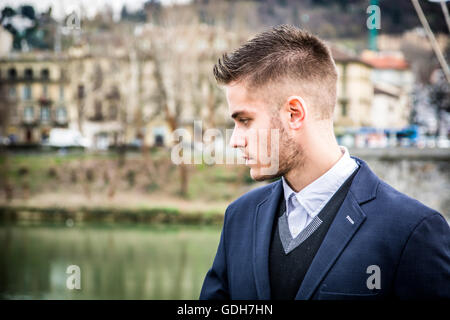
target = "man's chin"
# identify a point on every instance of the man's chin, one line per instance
(259, 174)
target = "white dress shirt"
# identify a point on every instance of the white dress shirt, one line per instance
(304, 205)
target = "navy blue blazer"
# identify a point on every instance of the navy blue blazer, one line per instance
(375, 226)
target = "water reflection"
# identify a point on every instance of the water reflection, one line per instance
(117, 262)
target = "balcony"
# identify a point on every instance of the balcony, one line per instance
(45, 101)
(29, 122)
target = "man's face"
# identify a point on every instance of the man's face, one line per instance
(260, 134)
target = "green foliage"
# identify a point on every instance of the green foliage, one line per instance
(69, 173)
(152, 215)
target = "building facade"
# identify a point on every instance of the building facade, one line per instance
(354, 91)
(37, 92)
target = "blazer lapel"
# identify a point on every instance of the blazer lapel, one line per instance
(347, 221)
(339, 234)
(263, 223)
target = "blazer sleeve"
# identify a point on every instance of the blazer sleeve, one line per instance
(424, 268)
(215, 285)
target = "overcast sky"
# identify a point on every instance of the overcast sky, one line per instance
(63, 7)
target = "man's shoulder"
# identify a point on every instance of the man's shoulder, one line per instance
(379, 200)
(390, 203)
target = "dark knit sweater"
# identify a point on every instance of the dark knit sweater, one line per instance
(288, 270)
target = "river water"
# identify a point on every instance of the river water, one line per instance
(116, 262)
(132, 261)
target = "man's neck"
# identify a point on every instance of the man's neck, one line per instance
(314, 166)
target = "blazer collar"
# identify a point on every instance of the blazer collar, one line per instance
(365, 183)
(362, 189)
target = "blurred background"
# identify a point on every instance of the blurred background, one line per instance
(92, 91)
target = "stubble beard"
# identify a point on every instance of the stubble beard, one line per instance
(290, 156)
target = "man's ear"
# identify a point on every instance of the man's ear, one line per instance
(297, 109)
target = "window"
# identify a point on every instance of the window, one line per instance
(98, 115)
(61, 114)
(28, 114)
(159, 134)
(45, 74)
(45, 114)
(12, 73)
(12, 92)
(28, 74)
(80, 93)
(27, 92)
(113, 112)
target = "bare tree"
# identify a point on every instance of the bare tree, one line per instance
(172, 117)
(5, 105)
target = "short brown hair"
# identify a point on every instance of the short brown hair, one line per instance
(284, 54)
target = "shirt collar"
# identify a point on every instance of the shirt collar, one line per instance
(316, 195)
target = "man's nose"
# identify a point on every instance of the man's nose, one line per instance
(237, 140)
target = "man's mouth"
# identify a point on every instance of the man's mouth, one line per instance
(248, 160)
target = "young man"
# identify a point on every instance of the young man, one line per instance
(329, 228)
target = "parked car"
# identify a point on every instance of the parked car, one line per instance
(63, 138)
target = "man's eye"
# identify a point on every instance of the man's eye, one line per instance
(244, 121)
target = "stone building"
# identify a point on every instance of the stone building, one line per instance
(116, 89)
(354, 90)
(393, 83)
(38, 94)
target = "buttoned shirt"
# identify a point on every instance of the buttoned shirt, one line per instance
(303, 206)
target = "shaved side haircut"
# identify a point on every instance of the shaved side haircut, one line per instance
(283, 61)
